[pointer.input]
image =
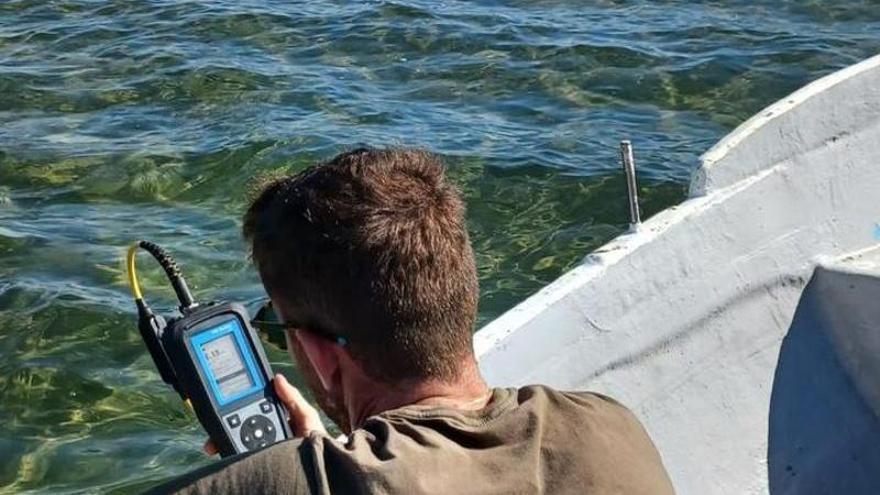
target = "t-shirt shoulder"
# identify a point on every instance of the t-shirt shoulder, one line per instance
(537, 394)
(281, 469)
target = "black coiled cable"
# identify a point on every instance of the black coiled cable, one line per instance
(178, 283)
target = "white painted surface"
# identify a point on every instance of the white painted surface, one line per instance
(683, 320)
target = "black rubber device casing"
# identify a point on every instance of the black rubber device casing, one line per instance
(192, 381)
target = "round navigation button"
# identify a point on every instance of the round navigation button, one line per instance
(257, 431)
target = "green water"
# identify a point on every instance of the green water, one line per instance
(123, 120)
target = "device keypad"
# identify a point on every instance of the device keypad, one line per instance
(258, 429)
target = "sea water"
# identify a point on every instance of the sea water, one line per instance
(122, 120)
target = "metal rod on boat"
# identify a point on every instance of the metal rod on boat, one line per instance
(632, 191)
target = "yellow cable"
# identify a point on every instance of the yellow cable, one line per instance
(132, 274)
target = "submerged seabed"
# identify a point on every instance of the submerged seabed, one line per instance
(124, 120)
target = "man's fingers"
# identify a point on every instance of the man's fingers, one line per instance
(210, 448)
(304, 418)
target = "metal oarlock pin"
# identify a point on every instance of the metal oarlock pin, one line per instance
(632, 190)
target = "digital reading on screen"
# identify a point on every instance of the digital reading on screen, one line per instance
(229, 367)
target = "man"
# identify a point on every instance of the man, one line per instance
(367, 261)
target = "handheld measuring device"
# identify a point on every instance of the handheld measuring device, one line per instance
(212, 357)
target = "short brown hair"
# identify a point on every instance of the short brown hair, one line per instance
(373, 246)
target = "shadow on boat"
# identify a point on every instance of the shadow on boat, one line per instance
(824, 425)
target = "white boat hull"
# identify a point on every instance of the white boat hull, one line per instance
(684, 319)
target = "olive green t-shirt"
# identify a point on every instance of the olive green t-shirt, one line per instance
(528, 440)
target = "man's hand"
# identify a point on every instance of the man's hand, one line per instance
(304, 418)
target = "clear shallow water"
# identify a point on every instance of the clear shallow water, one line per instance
(124, 120)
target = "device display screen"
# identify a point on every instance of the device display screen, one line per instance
(229, 367)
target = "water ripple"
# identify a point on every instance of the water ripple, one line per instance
(122, 120)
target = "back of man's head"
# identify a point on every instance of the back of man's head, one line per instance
(372, 246)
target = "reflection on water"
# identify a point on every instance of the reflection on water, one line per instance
(124, 120)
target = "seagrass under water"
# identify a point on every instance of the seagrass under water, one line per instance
(124, 120)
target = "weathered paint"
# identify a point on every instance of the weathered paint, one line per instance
(683, 319)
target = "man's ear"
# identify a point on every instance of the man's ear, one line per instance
(322, 354)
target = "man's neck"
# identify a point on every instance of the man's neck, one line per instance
(468, 392)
